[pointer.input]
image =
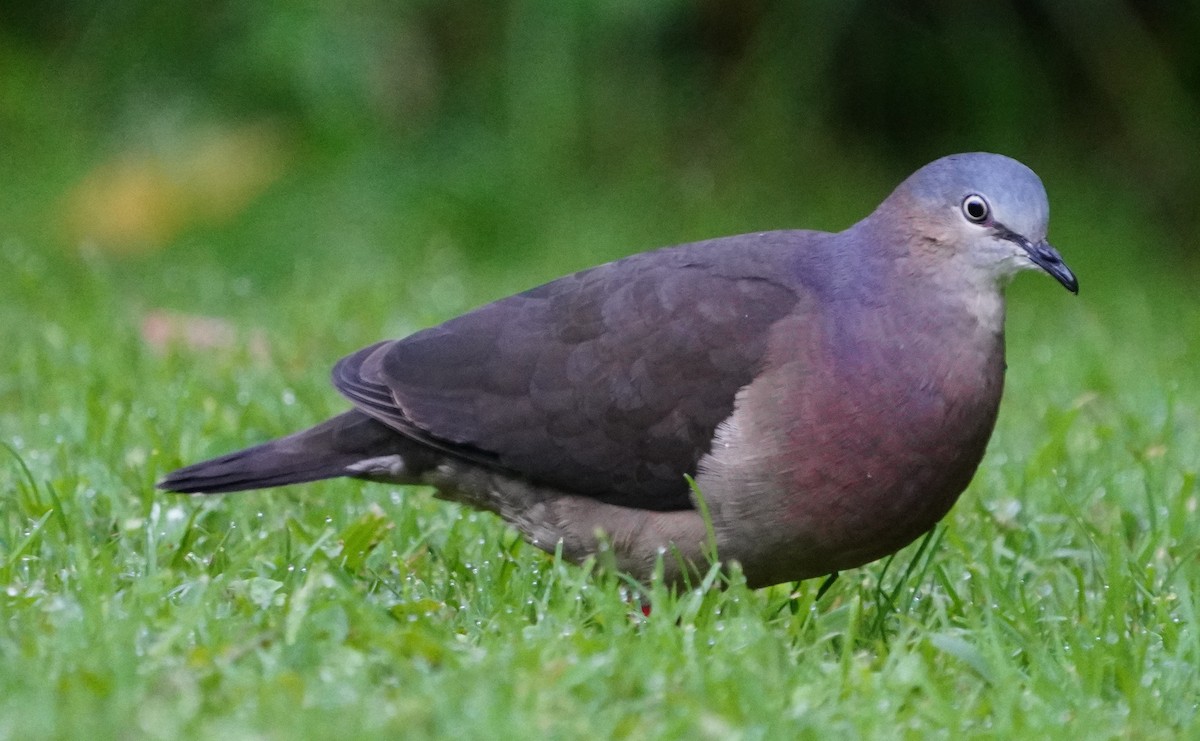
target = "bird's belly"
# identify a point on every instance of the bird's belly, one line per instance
(833, 482)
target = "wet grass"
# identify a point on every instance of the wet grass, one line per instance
(1061, 592)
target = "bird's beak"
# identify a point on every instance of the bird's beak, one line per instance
(1048, 259)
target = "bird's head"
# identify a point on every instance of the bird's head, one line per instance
(990, 210)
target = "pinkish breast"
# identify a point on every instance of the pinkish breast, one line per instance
(834, 475)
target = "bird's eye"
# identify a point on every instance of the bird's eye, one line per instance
(975, 208)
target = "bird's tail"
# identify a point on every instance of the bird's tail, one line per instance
(350, 444)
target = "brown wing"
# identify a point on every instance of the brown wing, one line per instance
(609, 383)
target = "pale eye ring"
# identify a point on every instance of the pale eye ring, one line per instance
(975, 208)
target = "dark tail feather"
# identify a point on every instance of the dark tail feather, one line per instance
(260, 467)
(322, 452)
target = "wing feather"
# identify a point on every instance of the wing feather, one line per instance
(607, 383)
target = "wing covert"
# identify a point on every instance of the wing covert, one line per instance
(608, 383)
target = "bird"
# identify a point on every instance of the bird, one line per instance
(798, 402)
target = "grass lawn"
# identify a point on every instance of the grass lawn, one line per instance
(1059, 598)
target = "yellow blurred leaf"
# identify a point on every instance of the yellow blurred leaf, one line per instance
(142, 199)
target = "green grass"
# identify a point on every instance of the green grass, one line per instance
(1059, 597)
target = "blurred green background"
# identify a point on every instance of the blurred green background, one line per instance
(396, 138)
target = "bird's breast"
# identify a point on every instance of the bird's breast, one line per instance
(851, 444)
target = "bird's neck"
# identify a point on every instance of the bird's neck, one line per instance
(975, 297)
(924, 271)
(926, 322)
